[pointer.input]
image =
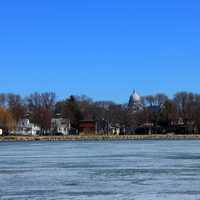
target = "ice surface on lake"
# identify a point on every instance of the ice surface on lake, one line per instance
(114, 170)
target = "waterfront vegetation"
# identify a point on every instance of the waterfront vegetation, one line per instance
(159, 114)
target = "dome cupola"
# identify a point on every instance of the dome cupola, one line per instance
(136, 97)
(135, 102)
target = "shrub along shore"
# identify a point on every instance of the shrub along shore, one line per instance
(100, 137)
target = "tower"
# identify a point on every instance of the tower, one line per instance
(135, 102)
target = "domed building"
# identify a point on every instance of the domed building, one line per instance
(135, 102)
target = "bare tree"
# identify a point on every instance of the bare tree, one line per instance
(160, 99)
(42, 107)
(149, 100)
(168, 114)
(6, 120)
(17, 106)
(185, 103)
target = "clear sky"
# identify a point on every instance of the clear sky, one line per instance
(101, 48)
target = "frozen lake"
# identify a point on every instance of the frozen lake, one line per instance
(113, 170)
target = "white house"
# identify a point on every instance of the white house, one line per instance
(25, 127)
(60, 125)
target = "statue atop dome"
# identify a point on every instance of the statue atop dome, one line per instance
(135, 102)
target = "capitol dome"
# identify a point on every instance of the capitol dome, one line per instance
(135, 102)
(136, 97)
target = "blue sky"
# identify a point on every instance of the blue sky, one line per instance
(101, 48)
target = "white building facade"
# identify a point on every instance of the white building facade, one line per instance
(60, 126)
(25, 127)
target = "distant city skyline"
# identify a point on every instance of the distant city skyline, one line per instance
(103, 49)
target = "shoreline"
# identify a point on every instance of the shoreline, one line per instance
(98, 138)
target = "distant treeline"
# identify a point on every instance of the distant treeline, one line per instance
(163, 113)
